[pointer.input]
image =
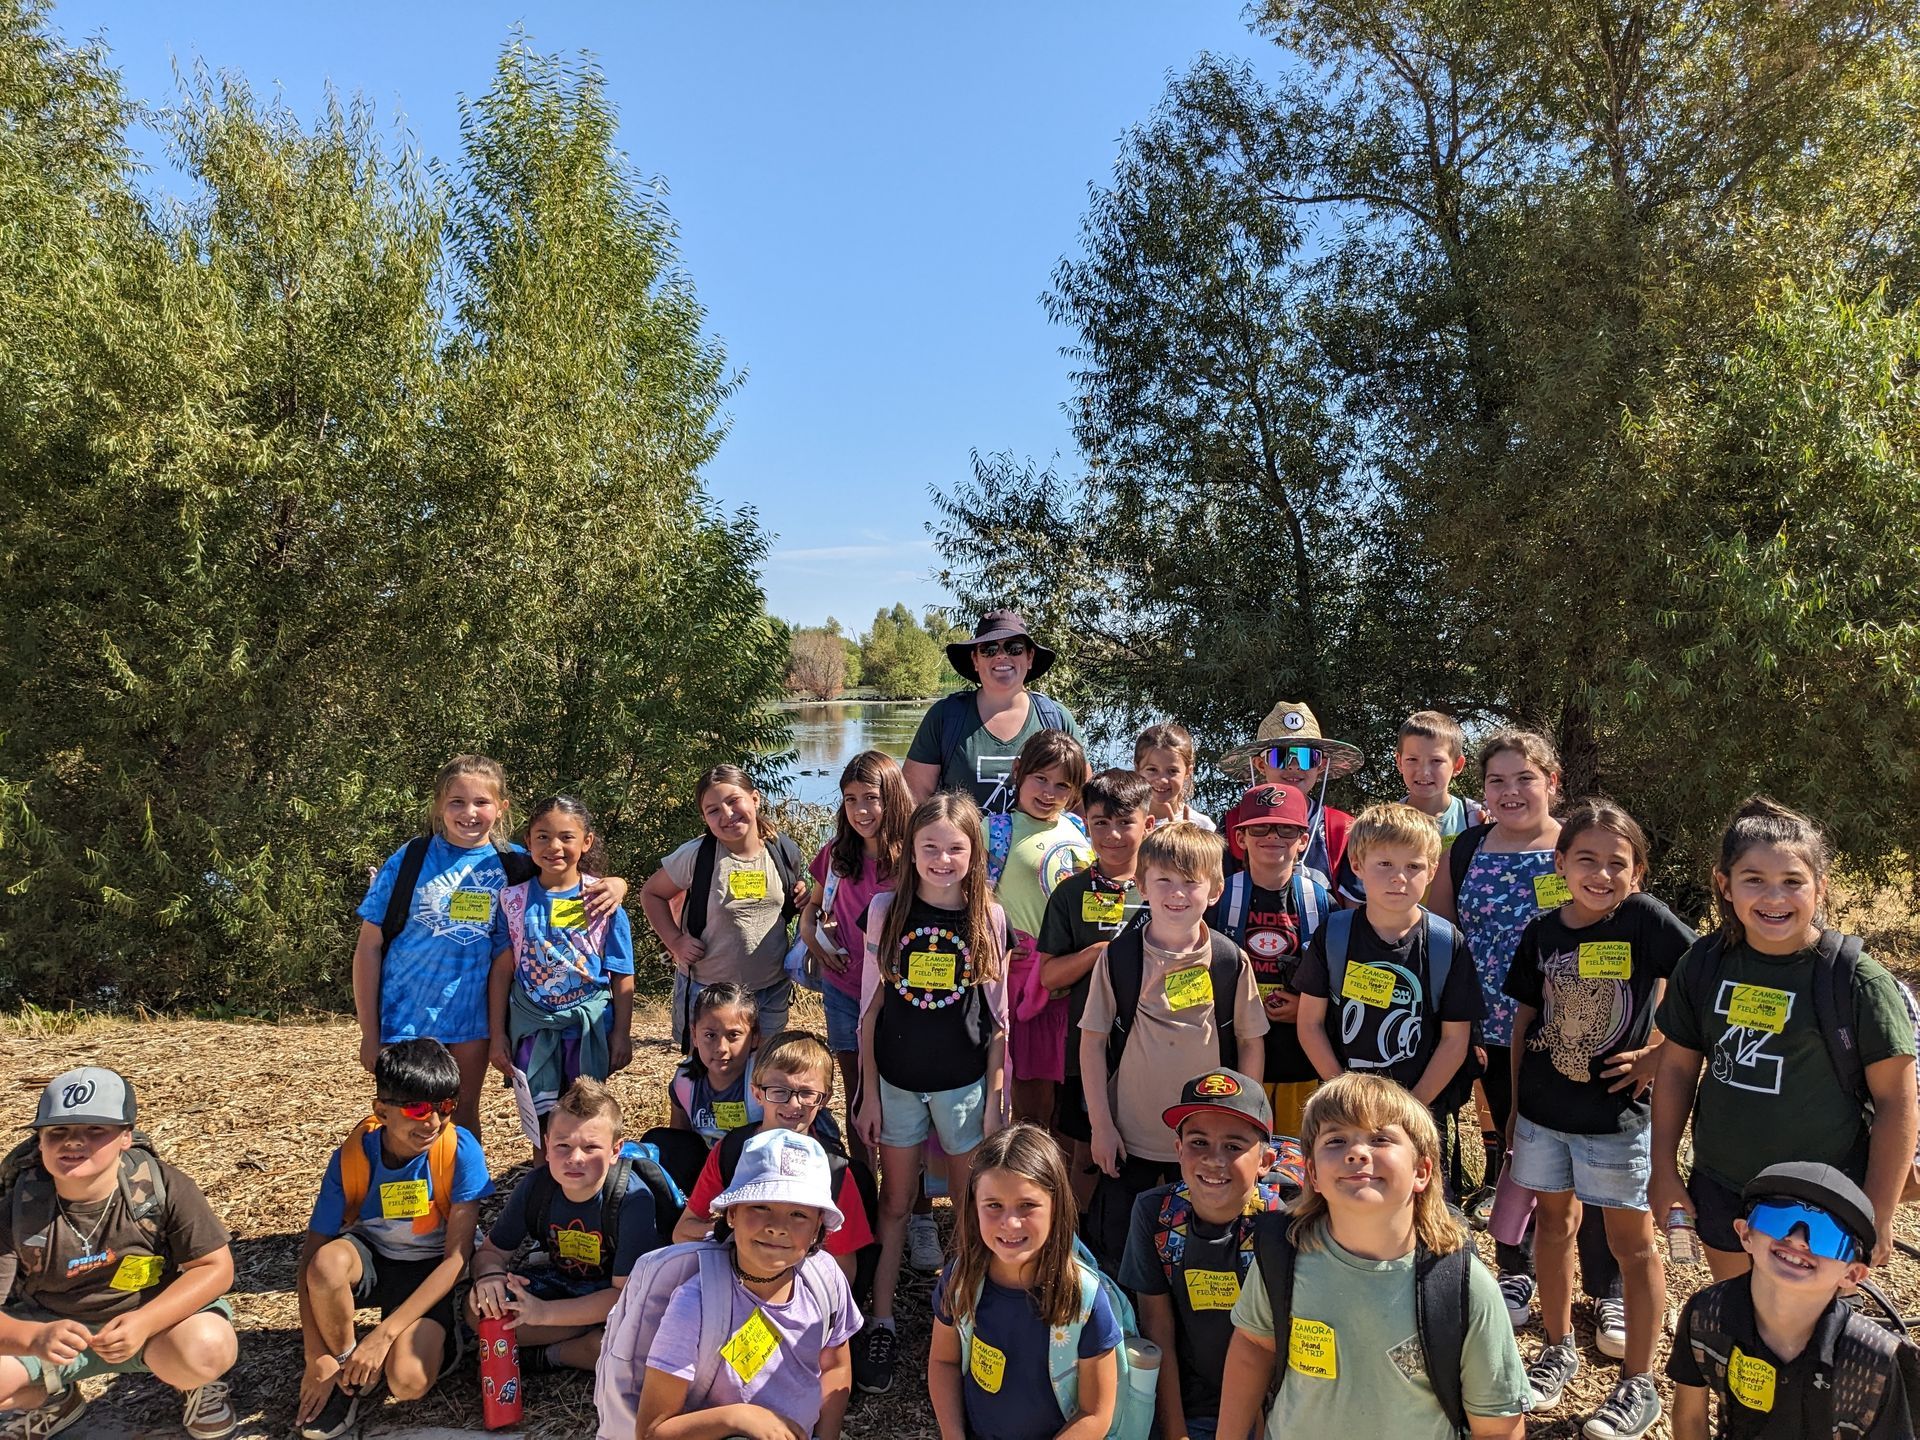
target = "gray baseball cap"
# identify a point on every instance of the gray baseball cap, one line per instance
(91, 1095)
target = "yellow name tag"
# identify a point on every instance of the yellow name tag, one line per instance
(1751, 1381)
(1550, 891)
(930, 970)
(1311, 1349)
(747, 885)
(1188, 987)
(582, 1245)
(404, 1199)
(1212, 1289)
(1103, 907)
(729, 1114)
(1755, 1007)
(137, 1272)
(987, 1365)
(1606, 960)
(569, 914)
(470, 907)
(751, 1347)
(1369, 984)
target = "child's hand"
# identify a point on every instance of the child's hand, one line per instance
(369, 1052)
(60, 1342)
(490, 1296)
(866, 1121)
(316, 1384)
(1283, 1006)
(121, 1338)
(522, 1307)
(1633, 1067)
(603, 896)
(1882, 1242)
(620, 1052)
(499, 1058)
(1665, 1191)
(1108, 1151)
(368, 1359)
(756, 1422)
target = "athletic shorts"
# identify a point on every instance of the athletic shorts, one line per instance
(57, 1378)
(387, 1283)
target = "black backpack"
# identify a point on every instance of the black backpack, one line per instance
(518, 865)
(1126, 969)
(786, 863)
(636, 1162)
(1460, 855)
(1440, 1286)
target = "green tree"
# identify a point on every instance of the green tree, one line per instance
(898, 658)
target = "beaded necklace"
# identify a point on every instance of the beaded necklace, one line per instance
(924, 1000)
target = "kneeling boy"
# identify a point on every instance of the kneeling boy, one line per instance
(122, 1264)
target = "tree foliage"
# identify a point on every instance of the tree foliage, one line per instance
(902, 658)
(817, 663)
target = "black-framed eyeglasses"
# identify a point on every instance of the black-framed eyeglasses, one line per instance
(781, 1095)
(1013, 649)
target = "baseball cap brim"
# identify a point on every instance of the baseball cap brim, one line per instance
(1178, 1115)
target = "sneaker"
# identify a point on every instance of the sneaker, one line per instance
(1479, 1207)
(881, 1350)
(924, 1252)
(208, 1414)
(1610, 1326)
(1547, 1377)
(336, 1418)
(1629, 1412)
(1517, 1291)
(49, 1419)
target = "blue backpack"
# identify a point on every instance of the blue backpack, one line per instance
(1311, 903)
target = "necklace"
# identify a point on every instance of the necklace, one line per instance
(963, 965)
(733, 1254)
(86, 1240)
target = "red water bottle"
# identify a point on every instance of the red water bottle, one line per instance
(500, 1395)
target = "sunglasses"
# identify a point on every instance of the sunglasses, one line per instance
(780, 1095)
(421, 1109)
(1778, 1219)
(1258, 831)
(1294, 757)
(1013, 649)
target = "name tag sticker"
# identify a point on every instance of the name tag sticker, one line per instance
(1369, 984)
(987, 1365)
(568, 914)
(930, 970)
(747, 885)
(1312, 1349)
(582, 1245)
(1212, 1289)
(404, 1199)
(1550, 891)
(1103, 907)
(1755, 1007)
(137, 1272)
(470, 907)
(729, 1114)
(1606, 960)
(1751, 1380)
(1188, 987)
(751, 1347)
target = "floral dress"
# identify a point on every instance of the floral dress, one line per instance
(1497, 898)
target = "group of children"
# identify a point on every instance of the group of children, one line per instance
(1193, 1091)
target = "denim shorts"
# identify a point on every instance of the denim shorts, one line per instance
(774, 1002)
(843, 1018)
(957, 1117)
(1611, 1171)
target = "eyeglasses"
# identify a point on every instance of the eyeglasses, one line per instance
(421, 1109)
(780, 1095)
(1294, 757)
(1013, 649)
(1778, 1219)
(1259, 831)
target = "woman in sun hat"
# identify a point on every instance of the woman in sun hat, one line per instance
(968, 740)
(1288, 749)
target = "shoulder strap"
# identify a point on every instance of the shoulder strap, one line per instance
(1176, 1214)
(999, 845)
(1440, 1287)
(441, 1162)
(400, 898)
(518, 865)
(1460, 854)
(693, 914)
(1339, 929)
(787, 861)
(613, 1191)
(825, 1295)
(1063, 1343)
(1047, 710)
(540, 1189)
(1703, 975)
(731, 1144)
(1836, 960)
(1439, 957)
(1223, 975)
(1126, 968)
(356, 1171)
(1235, 904)
(1273, 1249)
(1310, 904)
(716, 1315)
(959, 719)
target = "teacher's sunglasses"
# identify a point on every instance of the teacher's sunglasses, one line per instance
(1294, 757)
(421, 1109)
(1778, 1219)
(1012, 648)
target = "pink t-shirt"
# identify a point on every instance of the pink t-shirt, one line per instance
(850, 900)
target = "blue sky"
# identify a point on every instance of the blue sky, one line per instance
(870, 200)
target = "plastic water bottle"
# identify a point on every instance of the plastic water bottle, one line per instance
(1683, 1239)
(1143, 1356)
(1512, 1207)
(501, 1396)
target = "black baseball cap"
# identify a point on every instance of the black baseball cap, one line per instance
(1821, 1186)
(1227, 1091)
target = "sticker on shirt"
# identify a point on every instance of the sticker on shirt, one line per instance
(404, 1199)
(1757, 1007)
(470, 907)
(729, 1114)
(138, 1272)
(1606, 960)
(1748, 1054)
(746, 884)
(1380, 1036)
(1369, 984)
(1212, 1289)
(930, 970)
(1313, 1349)
(987, 1365)
(751, 1347)
(1751, 1380)
(1550, 892)
(1103, 907)
(1189, 986)
(568, 914)
(580, 1246)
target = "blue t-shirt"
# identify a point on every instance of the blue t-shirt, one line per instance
(434, 981)
(1024, 1407)
(557, 965)
(578, 1251)
(396, 1238)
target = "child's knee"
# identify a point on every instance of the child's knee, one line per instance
(335, 1266)
(200, 1348)
(14, 1386)
(415, 1361)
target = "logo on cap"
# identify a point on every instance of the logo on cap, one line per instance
(793, 1159)
(1217, 1086)
(1267, 796)
(1293, 720)
(78, 1093)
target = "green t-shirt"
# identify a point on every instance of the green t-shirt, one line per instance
(1041, 855)
(1379, 1372)
(1770, 1096)
(981, 763)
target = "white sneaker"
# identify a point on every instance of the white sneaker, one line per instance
(1610, 1326)
(924, 1252)
(1517, 1291)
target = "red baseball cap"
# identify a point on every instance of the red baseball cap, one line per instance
(1271, 805)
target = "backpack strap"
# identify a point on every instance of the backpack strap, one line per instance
(1460, 854)
(1836, 961)
(400, 898)
(716, 1315)
(999, 845)
(1439, 937)
(1339, 928)
(1126, 969)
(519, 865)
(1063, 1343)
(959, 718)
(1273, 1250)
(1223, 976)
(1440, 1289)
(1176, 1215)
(1234, 905)
(1310, 903)
(1047, 711)
(356, 1171)
(693, 914)
(540, 1188)
(789, 865)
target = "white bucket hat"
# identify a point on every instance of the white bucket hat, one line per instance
(782, 1167)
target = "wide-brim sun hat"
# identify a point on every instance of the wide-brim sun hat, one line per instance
(781, 1167)
(997, 625)
(1292, 722)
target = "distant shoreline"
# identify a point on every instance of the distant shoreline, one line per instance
(852, 699)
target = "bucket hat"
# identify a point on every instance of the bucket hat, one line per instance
(997, 625)
(781, 1167)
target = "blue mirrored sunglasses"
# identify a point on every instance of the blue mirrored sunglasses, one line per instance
(1778, 1219)
(1293, 757)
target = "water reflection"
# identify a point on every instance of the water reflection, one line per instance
(827, 736)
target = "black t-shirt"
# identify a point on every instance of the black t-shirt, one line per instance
(1271, 938)
(1203, 1288)
(943, 1046)
(1081, 912)
(1593, 989)
(1781, 1400)
(1400, 1035)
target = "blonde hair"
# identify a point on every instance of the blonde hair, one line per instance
(1394, 824)
(1029, 1152)
(1433, 725)
(483, 768)
(1187, 850)
(1533, 747)
(795, 1052)
(1359, 1101)
(958, 810)
(588, 1099)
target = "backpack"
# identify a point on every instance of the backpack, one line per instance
(1440, 1288)
(1274, 1191)
(786, 863)
(636, 1162)
(1311, 903)
(27, 1189)
(1126, 969)
(518, 865)
(1442, 939)
(634, 1321)
(960, 717)
(1000, 842)
(356, 1174)
(1460, 854)
(1133, 1400)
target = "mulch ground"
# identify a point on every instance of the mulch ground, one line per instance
(252, 1111)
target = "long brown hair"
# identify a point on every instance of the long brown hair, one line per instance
(1029, 1152)
(1765, 821)
(734, 775)
(1371, 1102)
(959, 811)
(881, 770)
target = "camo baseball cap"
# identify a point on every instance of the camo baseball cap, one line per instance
(90, 1095)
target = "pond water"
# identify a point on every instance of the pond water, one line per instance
(827, 736)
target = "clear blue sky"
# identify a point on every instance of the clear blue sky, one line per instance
(870, 200)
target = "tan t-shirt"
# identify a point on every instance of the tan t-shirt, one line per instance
(746, 943)
(1167, 1047)
(92, 1262)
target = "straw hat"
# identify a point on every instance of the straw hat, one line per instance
(1291, 722)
